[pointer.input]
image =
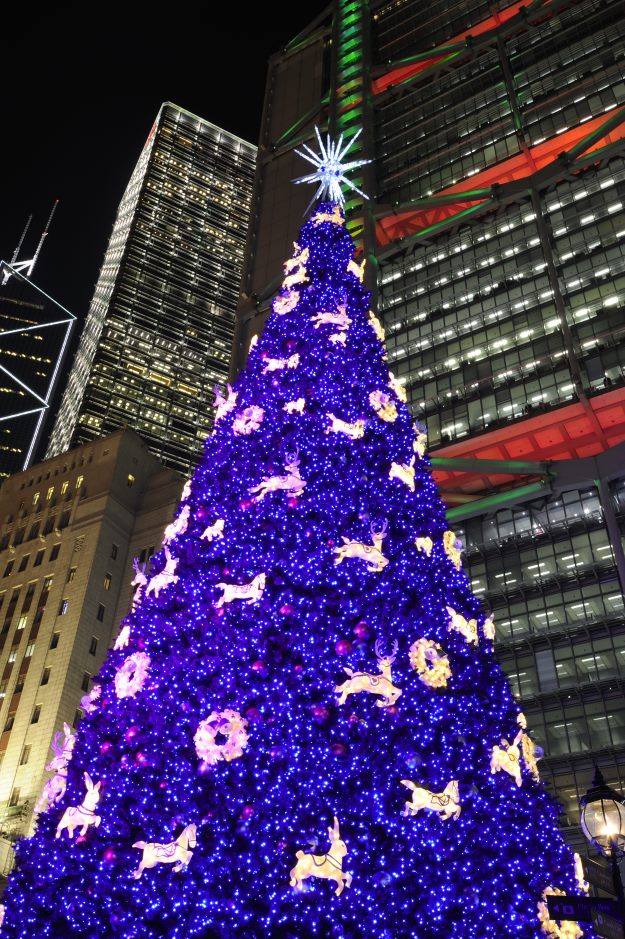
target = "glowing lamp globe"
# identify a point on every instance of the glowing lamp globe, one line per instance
(603, 817)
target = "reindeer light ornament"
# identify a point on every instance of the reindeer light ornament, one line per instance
(277, 365)
(334, 217)
(398, 387)
(377, 327)
(507, 758)
(384, 406)
(214, 531)
(249, 592)
(123, 638)
(178, 526)
(295, 268)
(224, 405)
(453, 548)
(295, 407)
(420, 442)
(404, 473)
(358, 270)
(353, 431)
(425, 545)
(371, 554)
(291, 482)
(178, 852)
(54, 789)
(81, 816)
(327, 866)
(164, 578)
(381, 684)
(466, 627)
(287, 303)
(530, 751)
(446, 803)
(139, 581)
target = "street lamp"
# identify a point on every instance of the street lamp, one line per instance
(603, 824)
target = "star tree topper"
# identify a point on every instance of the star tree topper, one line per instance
(330, 169)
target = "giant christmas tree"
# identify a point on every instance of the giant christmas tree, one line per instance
(302, 729)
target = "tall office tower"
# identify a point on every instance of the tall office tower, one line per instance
(495, 232)
(34, 332)
(69, 529)
(159, 329)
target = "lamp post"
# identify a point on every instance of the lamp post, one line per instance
(603, 824)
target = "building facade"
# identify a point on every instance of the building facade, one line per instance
(495, 235)
(69, 530)
(34, 333)
(159, 329)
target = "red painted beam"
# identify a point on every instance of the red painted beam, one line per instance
(520, 166)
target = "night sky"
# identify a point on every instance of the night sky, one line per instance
(81, 88)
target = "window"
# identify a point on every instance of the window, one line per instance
(100, 613)
(28, 598)
(79, 481)
(25, 755)
(93, 645)
(8, 568)
(64, 519)
(24, 563)
(12, 655)
(86, 678)
(3, 690)
(45, 678)
(130, 480)
(114, 550)
(9, 723)
(64, 487)
(77, 716)
(34, 531)
(36, 496)
(19, 684)
(39, 557)
(107, 581)
(71, 574)
(21, 623)
(30, 648)
(55, 552)
(36, 714)
(55, 640)
(50, 493)
(15, 797)
(63, 605)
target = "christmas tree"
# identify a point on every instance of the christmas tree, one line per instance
(302, 729)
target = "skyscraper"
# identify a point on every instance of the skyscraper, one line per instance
(495, 236)
(159, 329)
(34, 332)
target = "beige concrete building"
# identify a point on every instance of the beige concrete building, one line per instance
(69, 530)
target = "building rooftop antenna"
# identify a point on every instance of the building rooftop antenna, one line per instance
(26, 267)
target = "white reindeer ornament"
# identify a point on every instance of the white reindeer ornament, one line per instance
(381, 684)
(328, 866)
(82, 815)
(371, 554)
(291, 482)
(507, 757)
(178, 852)
(165, 578)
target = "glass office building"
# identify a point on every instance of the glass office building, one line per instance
(34, 333)
(158, 334)
(495, 233)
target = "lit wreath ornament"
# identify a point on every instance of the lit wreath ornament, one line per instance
(428, 659)
(131, 675)
(230, 725)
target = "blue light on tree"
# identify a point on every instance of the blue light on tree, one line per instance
(302, 730)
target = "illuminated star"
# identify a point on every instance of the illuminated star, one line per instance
(330, 169)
